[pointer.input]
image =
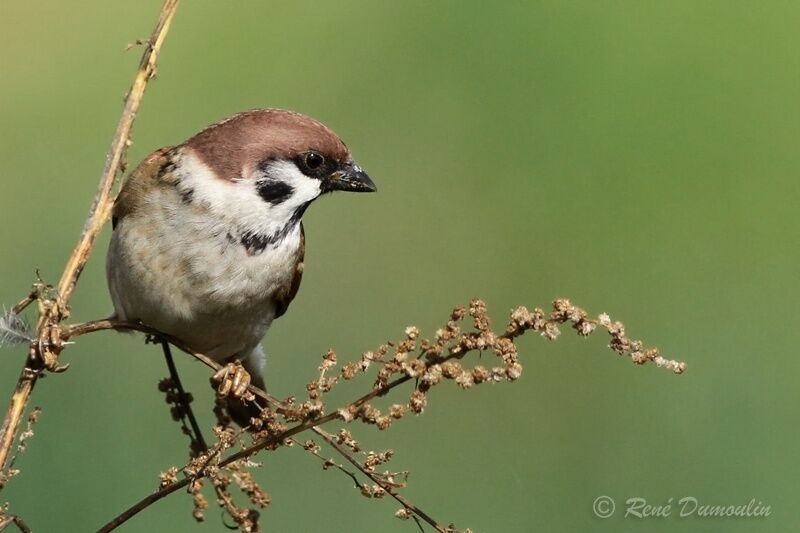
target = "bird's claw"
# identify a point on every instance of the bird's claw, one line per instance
(232, 379)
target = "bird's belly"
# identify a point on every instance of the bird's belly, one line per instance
(220, 338)
(207, 292)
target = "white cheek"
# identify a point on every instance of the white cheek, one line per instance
(305, 189)
(238, 203)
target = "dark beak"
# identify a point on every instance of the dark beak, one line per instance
(350, 177)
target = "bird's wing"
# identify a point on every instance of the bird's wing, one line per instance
(286, 294)
(153, 171)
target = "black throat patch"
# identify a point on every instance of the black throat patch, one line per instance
(255, 243)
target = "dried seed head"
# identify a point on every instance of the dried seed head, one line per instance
(350, 370)
(169, 477)
(514, 371)
(585, 327)
(464, 380)
(551, 331)
(451, 369)
(328, 361)
(417, 402)
(397, 411)
(368, 413)
(433, 375)
(479, 374)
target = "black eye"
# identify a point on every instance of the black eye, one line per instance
(314, 160)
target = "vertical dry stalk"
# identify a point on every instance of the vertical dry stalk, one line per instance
(44, 352)
(101, 207)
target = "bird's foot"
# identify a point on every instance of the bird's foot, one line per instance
(232, 379)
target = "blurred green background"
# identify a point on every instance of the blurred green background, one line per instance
(638, 157)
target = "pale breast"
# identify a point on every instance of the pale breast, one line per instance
(175, 267)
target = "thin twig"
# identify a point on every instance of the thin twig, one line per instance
(169, 489)
(25, 302)
(198, 443)
(52, 315)
(326, 462)
(331, 440)
(101, 208)
(76, 330)
(329, 462)
(17, 521)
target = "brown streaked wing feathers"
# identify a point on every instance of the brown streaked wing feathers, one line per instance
(286, 294)
(150, 172)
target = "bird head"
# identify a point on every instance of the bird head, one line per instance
(264, 167)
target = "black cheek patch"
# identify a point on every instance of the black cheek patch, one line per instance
(274, 192)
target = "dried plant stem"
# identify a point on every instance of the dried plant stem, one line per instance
(344, 452)
(101, 208)
(435, 360)
(143, 504)
(43, 354)
(17, 521)
(25, 302)
(99, 325)
(169, 489)
(329, 462)
(84, 328)
(76, 330)
(242, 454)
(197, 436)
(16, 408)
(197, 442)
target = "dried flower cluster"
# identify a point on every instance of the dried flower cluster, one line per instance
(6, 474)
(428, 362)
(209, 465)
(179, 402)
(22, 445)
(564, 311)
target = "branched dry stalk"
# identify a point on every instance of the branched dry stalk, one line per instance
(54, 302)
(181, 403)
(181, 410)
(382, 485)
(426, 362)
(385, 482)
(7, 520)
(53, 309)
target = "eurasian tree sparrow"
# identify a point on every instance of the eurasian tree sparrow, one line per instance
(208, 242)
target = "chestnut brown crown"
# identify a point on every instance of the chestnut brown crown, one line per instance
(245, 140)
